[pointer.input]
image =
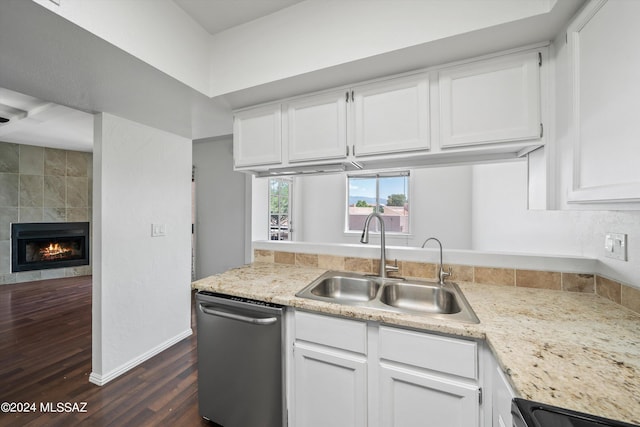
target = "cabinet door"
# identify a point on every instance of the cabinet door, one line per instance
(317, 127)
(257, 136)
(410, 398)
(330, 388)
(502, 396)
(490, 101)
(391, 116)
(605, 65)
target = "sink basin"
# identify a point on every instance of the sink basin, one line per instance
(346, 288)
(415, 297)
(418, 297)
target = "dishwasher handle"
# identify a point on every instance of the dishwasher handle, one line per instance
(253, 320)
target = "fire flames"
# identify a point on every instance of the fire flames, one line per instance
(54, 250)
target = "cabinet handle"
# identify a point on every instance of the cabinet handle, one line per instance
(347, 151)
(351, 96)
(541, 130)
(354, 149)
(347, 96)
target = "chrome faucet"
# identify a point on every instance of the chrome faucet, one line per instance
(441, 273)
(365, 239)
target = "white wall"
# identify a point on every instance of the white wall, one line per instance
(502, 223)
(442, 205)
(141, 284)
(220, 207)
(480, 207)
(498, 225)
(591, 225)
(566, 231)
(157, 32)
(259, 208)
(308, 36)
(440, 200)
(314, 35)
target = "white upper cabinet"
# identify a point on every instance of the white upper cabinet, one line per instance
(257, 136)
(317, 127)
(605, 65)
(472, 109)
(391, 116)
(490, 101)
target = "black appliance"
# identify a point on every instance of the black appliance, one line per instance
(39, 246)
(526, 413)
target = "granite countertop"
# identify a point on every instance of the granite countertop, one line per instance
(573, 350)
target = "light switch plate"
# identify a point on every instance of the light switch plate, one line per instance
(158, 230)
(615, 246)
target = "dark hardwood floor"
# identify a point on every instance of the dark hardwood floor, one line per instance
(45, 358)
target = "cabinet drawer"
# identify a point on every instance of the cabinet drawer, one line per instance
(335, 332)
(442, 354)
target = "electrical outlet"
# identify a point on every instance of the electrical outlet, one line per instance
(615, 246)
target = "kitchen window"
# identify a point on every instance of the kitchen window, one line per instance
(280, 190)
(386, 193)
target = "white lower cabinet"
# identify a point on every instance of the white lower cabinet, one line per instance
(498, 392)
(502, 396)
(330, 388)
(427, 380)
(353, 373)
(413, 398)
(330, 371)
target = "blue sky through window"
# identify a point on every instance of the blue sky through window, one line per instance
(365, 188)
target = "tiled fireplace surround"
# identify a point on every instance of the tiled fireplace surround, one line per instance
(571, 282)
(40, 184)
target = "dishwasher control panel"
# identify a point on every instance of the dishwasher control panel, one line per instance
(240, 299)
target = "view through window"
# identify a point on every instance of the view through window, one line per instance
(385, 193)
(279, 208)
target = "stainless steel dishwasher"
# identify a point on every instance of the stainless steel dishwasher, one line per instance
(240, 361)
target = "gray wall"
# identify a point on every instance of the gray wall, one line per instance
(40, 184)
(220, 207)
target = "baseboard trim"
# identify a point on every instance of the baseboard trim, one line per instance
(100, 380)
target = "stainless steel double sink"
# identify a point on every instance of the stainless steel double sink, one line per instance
(392, 294)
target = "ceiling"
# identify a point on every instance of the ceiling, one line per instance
(219, 15)
(48, 124)
(139, 99)
(45, 124)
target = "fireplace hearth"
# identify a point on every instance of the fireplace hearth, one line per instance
(39, 246)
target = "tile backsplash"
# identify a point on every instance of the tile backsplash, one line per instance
(39, 184)
(627, 296)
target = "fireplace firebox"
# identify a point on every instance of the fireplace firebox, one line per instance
(39, 246)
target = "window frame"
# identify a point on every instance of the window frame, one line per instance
(377, 175)
(289, 229)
